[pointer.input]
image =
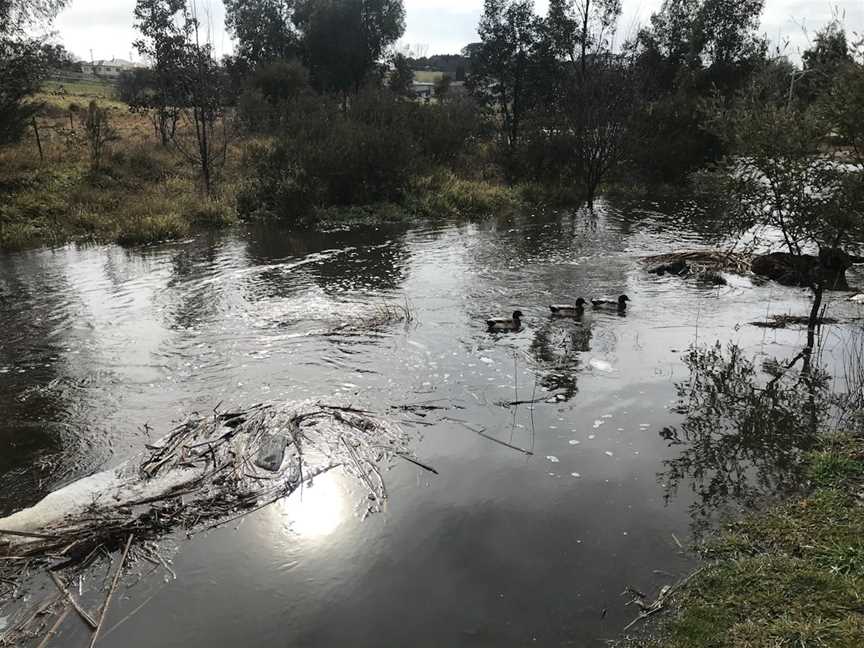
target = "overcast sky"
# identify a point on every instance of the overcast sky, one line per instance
(441, 26)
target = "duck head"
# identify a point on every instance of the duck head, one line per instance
(517, 315)
(622, 301)
(580, 303)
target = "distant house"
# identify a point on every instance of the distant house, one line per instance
(108, 69)
(423, 89)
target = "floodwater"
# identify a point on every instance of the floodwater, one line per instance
(526, 542)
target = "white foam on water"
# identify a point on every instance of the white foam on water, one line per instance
(552, 458)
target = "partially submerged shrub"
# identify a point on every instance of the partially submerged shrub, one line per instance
(443, 194)
(153, 228)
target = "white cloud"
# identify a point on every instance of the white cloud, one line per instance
(443, 25)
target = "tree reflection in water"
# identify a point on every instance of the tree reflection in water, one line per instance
(745, 432)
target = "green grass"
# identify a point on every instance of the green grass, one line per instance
(789, 576)
(140, 196)
(96, 89)
(445, 195)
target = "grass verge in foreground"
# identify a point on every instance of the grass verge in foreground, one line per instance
(789, 576)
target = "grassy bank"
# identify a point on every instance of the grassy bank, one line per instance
(142, 192)
(788, 576)
(139, 197)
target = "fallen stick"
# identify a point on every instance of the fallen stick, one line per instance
(483, 434)
(54, 629)
(506, 445)
(111, 591)
(81, 611)
(419, 464)
(128, 616)
(642, 617)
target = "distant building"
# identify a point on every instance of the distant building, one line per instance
(108, 69)
(423, 89)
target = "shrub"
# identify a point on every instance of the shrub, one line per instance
(327, 156)
(446, 131)
(138, 163)
(270, 94)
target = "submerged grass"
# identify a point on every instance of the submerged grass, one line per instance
(789, 576)
(445, 195)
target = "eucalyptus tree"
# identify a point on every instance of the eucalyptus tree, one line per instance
(163, 43)
(264, 30)
(344, 42)
(503, 64)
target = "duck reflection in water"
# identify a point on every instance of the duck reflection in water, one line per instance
(557, 347)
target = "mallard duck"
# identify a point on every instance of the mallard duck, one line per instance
(512, 324)
(620, 303)
(569, 310)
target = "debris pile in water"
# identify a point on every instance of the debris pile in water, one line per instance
(696, 262)
(209, 470)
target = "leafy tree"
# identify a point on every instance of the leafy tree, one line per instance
(594, 87)
(22, 68)
(23, 62)
(401, 79)
(189, 80)
(843, 107)
(58, 57)
(442, 88)
(726, 33)
(271, 91)
(501, 67)
(783, 182)
(344, 41)
(691, 49)
(163, 42)
(825, 60)
(264, 29)
(17, 15)
(579, 28)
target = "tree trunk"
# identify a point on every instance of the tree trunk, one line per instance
(812, 325)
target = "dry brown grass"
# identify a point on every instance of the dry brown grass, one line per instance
(145, 192)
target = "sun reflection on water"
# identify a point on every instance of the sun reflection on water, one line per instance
(315, 511)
